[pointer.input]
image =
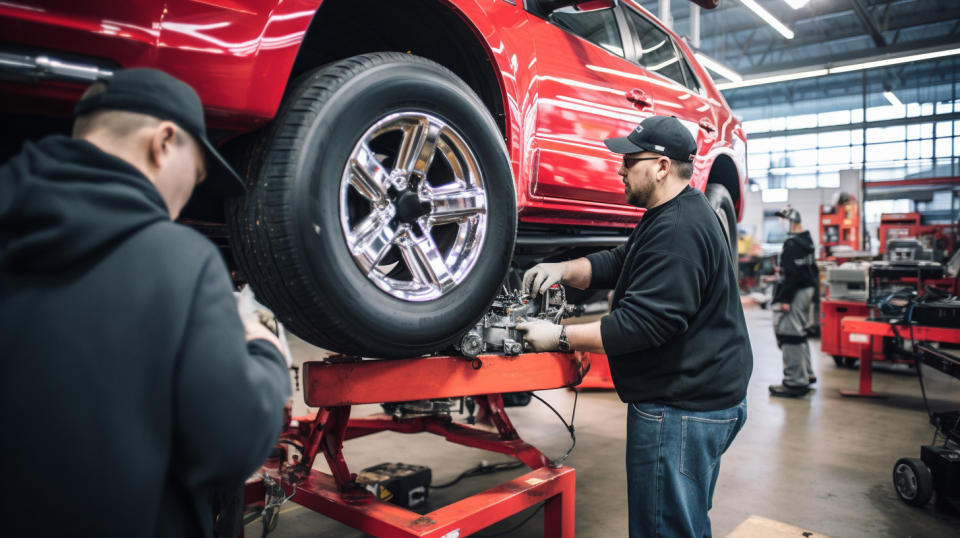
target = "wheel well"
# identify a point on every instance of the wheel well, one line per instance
(724, 172)
(344, 28)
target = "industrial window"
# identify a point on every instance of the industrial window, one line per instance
(599, 27)
(779, 147)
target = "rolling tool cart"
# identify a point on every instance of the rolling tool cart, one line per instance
(937, 470)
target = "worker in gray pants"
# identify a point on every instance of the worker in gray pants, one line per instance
(794, 294)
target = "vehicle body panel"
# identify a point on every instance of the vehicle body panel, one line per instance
(562, 95)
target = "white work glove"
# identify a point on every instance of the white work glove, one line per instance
(260, 323)
(540, 277)
(540, 335)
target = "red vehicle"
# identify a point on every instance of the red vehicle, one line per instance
(397, 154)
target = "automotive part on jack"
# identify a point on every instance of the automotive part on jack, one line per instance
(497, 332)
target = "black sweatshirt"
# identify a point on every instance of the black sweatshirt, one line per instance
(128, 393)
(675, 334)
(798, 269)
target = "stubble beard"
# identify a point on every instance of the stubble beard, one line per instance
(640, 198)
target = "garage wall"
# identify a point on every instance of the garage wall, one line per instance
(806, 201)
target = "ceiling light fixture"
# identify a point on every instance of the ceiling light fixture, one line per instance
(718, 67)
(894, 61)
(773, 79)
(892, 98)
(768, 18)
(797, 4)
(861, 66)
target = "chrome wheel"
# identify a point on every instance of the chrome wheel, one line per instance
(413, 206)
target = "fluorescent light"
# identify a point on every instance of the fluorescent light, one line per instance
(718, 67)
(797, 4)
(892, 98)
(894, 61)
(768, 18)
(862, 66)
(773, 79)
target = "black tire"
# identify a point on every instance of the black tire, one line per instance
(287, 234)
(722, 204)
(838, 360)
(913, 481)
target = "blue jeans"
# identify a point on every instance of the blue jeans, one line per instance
(673, 460)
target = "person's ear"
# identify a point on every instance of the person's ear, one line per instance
(663, 169)
(162, 140)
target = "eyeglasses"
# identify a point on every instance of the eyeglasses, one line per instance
(629, 162)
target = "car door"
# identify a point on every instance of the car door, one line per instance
(581, 101)
(671, 81)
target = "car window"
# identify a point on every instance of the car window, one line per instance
(655, 50)
(599, 27)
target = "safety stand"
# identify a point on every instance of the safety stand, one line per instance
(335, 385)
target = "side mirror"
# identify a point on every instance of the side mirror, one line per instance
(549, 6)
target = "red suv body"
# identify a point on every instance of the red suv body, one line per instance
(555, 84)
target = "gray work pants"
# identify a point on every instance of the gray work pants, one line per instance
(790, 328)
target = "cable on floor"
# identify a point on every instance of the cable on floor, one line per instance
(481, 469)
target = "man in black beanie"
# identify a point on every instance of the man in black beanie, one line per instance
(794, 295)
(132, 391)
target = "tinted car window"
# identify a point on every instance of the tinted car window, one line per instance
(598, 27)
(655, 50)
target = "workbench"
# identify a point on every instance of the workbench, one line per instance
(858, 330)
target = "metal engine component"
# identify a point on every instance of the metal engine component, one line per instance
(497, 332)
(423, 408)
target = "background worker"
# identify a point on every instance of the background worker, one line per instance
(132, 393)
(675, 337)
(792, 299)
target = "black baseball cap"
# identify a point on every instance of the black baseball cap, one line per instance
(660, 134)
(155, 93)
(789, 213)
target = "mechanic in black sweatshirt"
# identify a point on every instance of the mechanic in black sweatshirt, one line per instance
(792, 299)
(132, 392)
(675, 337)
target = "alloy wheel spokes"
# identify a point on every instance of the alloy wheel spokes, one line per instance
(426, 262)
(368, 176)
(417, 147)
(455, 203)
(370, 240)
(413, 207)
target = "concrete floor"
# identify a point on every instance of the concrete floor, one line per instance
(822, 463)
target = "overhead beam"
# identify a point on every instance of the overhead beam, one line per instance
(869, 23)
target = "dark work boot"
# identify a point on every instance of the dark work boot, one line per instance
(784, 391)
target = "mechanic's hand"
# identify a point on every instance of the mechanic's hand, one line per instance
(540, 277)
(540, 335)
(784, 307)
(260, 323)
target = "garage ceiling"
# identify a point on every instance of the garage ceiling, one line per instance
(828, 33)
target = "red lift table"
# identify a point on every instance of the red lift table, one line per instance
(335, 386)
(858, 330)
